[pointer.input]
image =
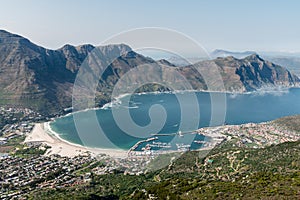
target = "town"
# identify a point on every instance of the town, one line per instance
(25, 167)
(251, 134)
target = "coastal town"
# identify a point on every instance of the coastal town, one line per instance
(19, 174)
(252, 135)
(16, 123)
(41, 161)
(154, 100)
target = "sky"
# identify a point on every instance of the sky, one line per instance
(259, 25)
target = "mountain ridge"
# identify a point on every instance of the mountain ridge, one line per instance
(42, 79)
(225, 53)
(32, 73)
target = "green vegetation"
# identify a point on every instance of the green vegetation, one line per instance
(11, 144)
(13, 118)
(224, 173)
(29, 151)
(15, 141)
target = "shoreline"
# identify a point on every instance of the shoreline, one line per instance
(266, 90)
(41, 135)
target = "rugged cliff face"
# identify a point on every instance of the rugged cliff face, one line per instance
(39, 78)
(42, 79)
(239, 75)
(29, 71)
(255, 72)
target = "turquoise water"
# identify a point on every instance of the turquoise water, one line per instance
(240, 108)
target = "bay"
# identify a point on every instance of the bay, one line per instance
(240, 108)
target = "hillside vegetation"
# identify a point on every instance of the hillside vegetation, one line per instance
(226, 172)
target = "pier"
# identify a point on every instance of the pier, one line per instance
(140, 142)
(180, 133)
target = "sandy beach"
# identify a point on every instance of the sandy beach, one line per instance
(41, 133)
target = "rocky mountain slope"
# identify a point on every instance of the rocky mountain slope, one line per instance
(289, 60)
(251, 73)
(32, 76)
(42, 79)
(292, 63)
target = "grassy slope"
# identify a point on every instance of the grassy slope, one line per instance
(235, 173)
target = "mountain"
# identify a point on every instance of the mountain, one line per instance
(289, 60)
(292, 63)
(223, 53)
(255, 72)
(39, 78)
(42, 79)
(240, 75)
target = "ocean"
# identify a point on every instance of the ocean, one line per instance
(170, 118)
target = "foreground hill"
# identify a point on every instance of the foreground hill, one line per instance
(226, 172)
(42, 79)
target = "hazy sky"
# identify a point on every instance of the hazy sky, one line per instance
(260, 25)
